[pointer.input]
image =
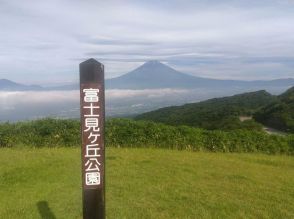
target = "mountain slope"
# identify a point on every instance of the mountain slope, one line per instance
(154, 74)
(280, 114)
(217, 113)
(7, 85)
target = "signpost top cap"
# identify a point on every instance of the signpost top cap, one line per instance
(91, 71)
(91, 61)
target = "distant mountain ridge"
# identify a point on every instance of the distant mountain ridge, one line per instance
(152, 74)
(156, 75)
(7, 85)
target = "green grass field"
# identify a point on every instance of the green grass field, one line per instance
(148, 183)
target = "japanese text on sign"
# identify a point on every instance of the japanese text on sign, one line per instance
(92, 155)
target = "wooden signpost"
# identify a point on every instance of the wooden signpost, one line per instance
(92, 132)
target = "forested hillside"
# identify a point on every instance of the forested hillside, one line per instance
(279, 114)
(218, 113)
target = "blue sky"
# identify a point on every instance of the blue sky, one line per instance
(44, 41)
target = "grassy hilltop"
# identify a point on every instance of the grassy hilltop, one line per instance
(148, 183)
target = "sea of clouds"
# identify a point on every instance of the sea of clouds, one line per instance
(24, 105)
(27, 105)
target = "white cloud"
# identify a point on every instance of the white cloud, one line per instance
(113, 94)
(13, 98)
(44, 42)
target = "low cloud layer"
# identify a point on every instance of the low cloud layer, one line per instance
(10, 99)
(65, 104)
(25, 105)
(43, 42)
(147, 93)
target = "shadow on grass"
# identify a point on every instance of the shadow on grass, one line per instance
(44, 210)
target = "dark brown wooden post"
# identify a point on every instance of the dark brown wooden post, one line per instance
(92, 133)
